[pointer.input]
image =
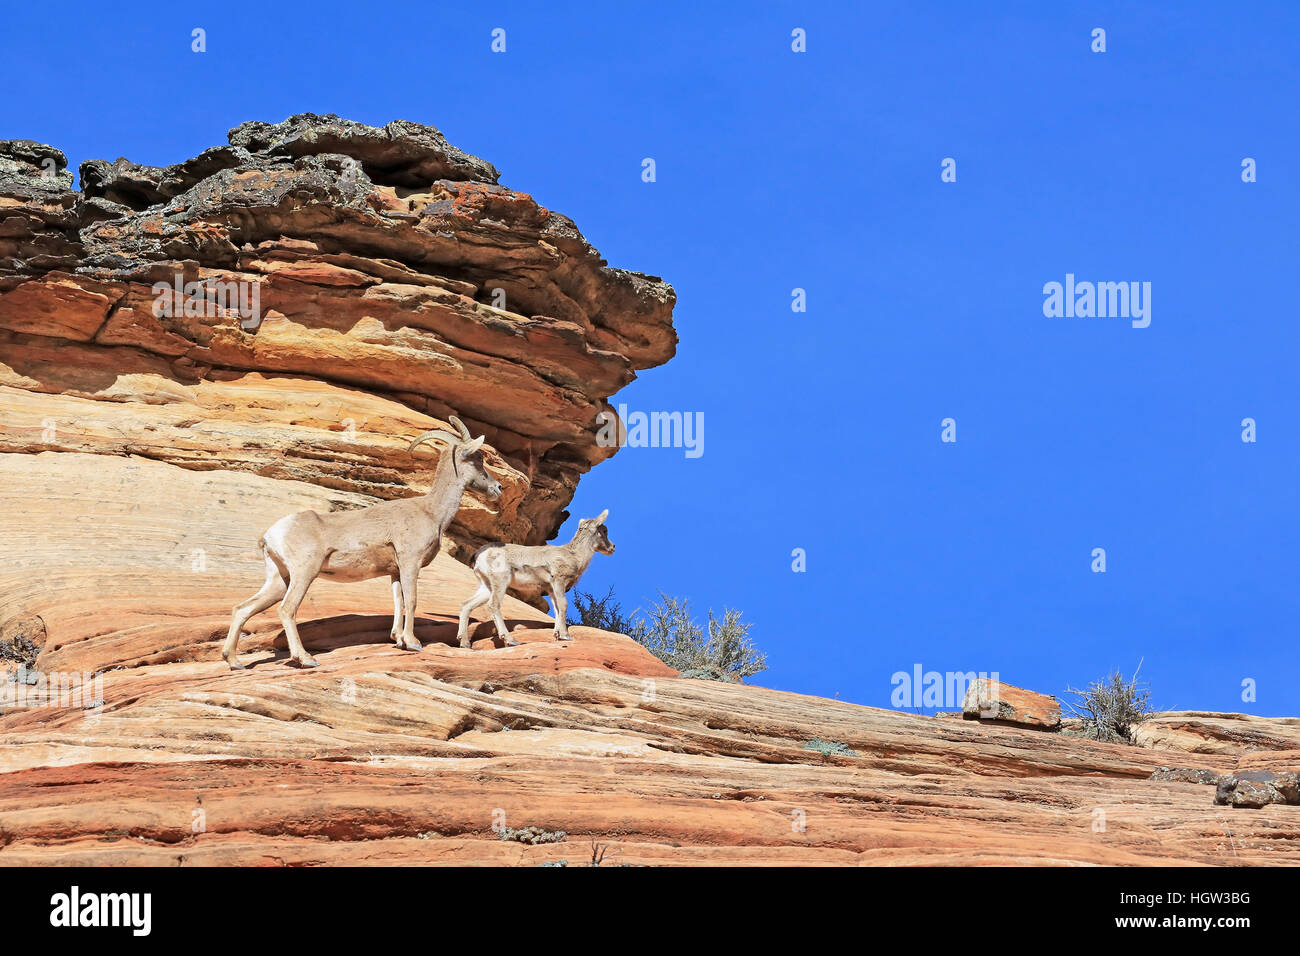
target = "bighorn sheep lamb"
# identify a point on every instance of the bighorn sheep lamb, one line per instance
(396, 538)
(553, 567)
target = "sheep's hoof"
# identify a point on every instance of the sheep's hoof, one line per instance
(510, 642)
(235, 665)
(563, 637)
(307, 662)
(411, 644)
(465, 643)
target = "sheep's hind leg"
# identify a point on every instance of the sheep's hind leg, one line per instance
(272, 590)
(479, 598)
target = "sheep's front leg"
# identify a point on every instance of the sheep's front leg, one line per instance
(396, 632)
(561, 625)
(409, 573)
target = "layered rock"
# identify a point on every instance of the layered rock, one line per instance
(992, 700)
(382, 756)
(396, 282)
(385, 756)
(1210, 733)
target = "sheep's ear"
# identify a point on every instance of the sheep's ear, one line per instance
(600, 518)
(470, 447)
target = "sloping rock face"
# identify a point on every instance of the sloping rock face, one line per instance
(1213, 733)
(382, 756)
(386, 756)
(335, 289)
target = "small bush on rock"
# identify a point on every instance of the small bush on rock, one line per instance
(719, 650)
(603, 612)
(533, 836)
(828, 748)
(21, 641)
(1111, 709)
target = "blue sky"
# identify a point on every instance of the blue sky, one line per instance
(821, 171)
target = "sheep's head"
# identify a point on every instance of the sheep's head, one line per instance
(467, 453)
(595, 528)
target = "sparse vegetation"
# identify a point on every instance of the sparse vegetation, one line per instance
(1110, 709)
(598, 851)
(719, 650)
(21, 641)
(603, 612)
(829, 748)
(700, 673)
(533, 836)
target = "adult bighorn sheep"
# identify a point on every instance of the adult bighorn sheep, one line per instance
(553, 567)
(394, 538)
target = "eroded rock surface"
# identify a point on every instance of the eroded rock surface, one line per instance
(387, 756)
(384, 756)
(1209, 733)
(397, 283)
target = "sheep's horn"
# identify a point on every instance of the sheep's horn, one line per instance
(600, 518)
(439, 433)
(460, 427)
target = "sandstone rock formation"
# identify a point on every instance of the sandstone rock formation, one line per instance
(1214, 733)
(992, 700)
(397, 282)
(381, 756)
(384, 756)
